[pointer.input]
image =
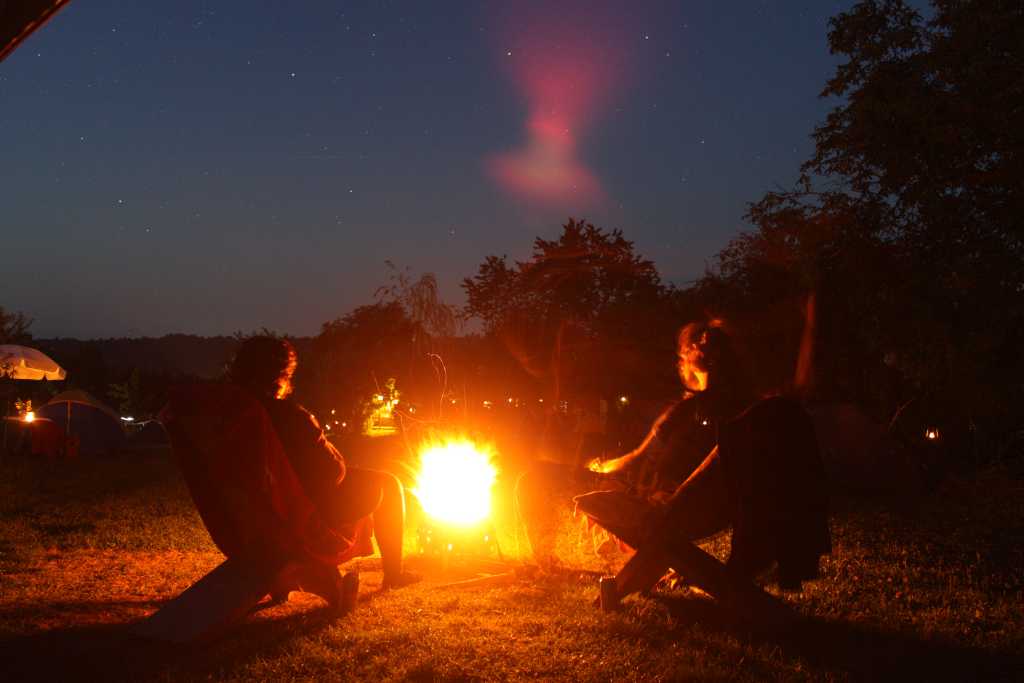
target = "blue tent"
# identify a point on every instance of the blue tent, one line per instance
(96, 427)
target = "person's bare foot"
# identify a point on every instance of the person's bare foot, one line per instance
(278, 598)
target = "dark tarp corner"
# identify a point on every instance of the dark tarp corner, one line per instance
(20, 18)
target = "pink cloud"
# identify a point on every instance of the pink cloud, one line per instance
(567, 65)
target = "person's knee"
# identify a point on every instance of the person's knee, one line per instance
(543, 478)
(390, 490)
(525, 484)
(533, 494)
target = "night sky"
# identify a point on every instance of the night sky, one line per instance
(207, 167)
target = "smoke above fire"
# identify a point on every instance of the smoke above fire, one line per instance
(567, 61)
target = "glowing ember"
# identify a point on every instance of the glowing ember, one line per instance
(454, 483)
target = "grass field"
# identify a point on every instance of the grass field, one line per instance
(929, 589)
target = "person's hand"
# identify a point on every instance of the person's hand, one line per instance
(659, 496)
(603, 466)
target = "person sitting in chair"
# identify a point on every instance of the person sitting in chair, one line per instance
(676, 443)
(762, 476)
(342, 495)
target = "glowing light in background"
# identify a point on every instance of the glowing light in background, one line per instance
(566, 62)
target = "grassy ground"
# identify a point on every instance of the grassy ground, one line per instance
(927, 590)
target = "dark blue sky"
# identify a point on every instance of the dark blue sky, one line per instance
(206, 167)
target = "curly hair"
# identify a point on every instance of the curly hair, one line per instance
(265, 365)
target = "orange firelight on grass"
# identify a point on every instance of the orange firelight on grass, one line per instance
(454, 482)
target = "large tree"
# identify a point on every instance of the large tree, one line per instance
(906, 220)
(583, 301)
(432, 319)
(353, 356)
(931, 121)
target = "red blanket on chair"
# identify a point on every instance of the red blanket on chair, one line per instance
(242, 483)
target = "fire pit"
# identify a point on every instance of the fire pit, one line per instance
(454, 486)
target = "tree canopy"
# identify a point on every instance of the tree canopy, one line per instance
(14, 327)
(931, 122)
(586, 297)
(357, 352)
(583, 275)
(906, 220)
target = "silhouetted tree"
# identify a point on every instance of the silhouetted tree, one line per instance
(14, 327)
(931, 123)
(583, 313)
(354, 354)
(127, 395)
(429, 315)
(906, 221)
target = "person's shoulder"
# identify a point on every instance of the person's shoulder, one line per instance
(679, 410)
(292, 412)
(301, 411)
(673, 415)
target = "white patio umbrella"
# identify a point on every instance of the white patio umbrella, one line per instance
(23, 362)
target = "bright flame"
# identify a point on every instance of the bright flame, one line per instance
(30, 416)
(931, 434)
(454, 482)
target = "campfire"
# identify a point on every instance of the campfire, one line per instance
(453, 487)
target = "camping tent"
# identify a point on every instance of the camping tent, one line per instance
(96, 427)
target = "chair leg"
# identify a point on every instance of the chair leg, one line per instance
(738, 595)
(642, 571)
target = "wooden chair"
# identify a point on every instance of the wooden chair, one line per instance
(771, 468)
(256, 512)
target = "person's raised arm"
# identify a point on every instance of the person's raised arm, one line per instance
(617, 464)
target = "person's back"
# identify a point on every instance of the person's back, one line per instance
(236, 471)
(346, 498)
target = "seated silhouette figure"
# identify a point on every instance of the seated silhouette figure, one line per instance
(723, 457)
(275, 496)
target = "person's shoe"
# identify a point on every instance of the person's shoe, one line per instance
(404, 579)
